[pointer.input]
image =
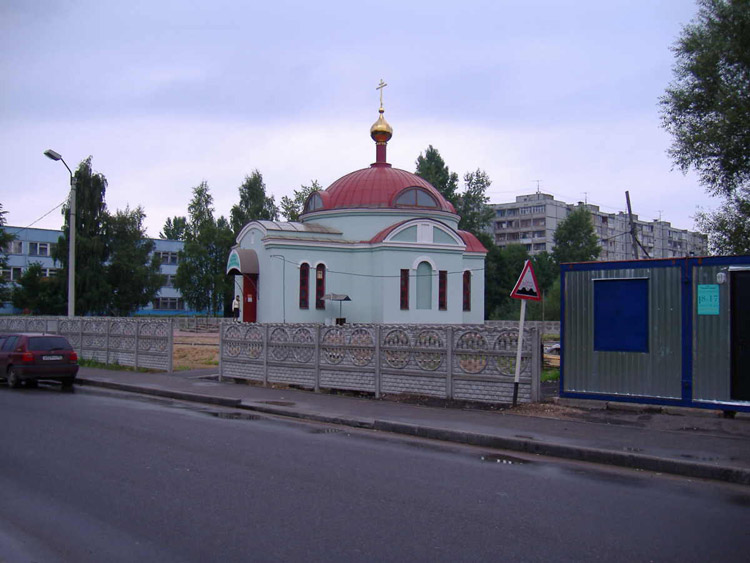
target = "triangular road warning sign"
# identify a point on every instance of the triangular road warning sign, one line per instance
(526, 286)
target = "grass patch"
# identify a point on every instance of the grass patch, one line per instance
(116, 367)
(551, 374)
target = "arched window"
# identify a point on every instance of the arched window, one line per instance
(415, 197)
(404, 290)
(313, 203)
(424, 286)
(467, 290)
(320, 286)
(304, 286)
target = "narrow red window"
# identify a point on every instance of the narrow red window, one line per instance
(442, 290)
(320, 286)
(304, 286)
(467, 290)
(404, 290)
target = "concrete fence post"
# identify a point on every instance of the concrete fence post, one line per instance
(316, 358)
(265, 355)
(106, 342)
(137, 341)
(378, 381)
(449, 362)
(536, 365)
(170, 348)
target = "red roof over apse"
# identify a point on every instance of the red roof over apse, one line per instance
(377, 187)
(472, 242)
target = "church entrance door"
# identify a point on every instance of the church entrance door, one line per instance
(250, 298)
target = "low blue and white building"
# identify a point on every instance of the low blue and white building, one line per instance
(35, 246)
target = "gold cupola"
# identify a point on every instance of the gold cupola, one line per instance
(381, 131)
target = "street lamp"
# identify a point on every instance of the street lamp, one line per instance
(49, 153)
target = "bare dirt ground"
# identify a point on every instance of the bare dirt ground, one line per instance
(195, 350)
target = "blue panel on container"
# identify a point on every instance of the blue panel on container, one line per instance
(621, 315)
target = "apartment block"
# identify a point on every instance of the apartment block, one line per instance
(531, 220)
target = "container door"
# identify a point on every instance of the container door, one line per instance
(250, 298)
(740, 304)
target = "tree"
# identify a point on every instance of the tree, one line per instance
(728, 227)
(92, 292)
(39, 294)
(175, 228)
(200, 273)
(254, 203)
(707, 107)
(472, 202)
(432, 168)
(503, 266)
(545, 269)
(5, 239)
(291, 208)
(133, 272)
(575, 239)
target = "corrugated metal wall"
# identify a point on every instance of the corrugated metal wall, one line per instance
(656, 373)
(711, 340)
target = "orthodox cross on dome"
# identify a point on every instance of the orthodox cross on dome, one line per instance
(380, 87)
(381, 131)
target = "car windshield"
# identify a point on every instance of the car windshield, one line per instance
(38, 343)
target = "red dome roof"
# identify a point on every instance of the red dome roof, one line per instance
(378, 187)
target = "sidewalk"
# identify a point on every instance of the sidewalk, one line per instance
(685, 442)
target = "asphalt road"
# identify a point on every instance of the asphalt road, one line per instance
(97, 476)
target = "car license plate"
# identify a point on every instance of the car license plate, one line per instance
(51, 358)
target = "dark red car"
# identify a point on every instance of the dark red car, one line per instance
(27, 358)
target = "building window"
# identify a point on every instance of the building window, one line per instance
(168, 280)
(169, 304)
(320, 286)
(168, 257)
(14, 247)
(404, 290)
(467, 290)
(424, 286)
(443, 290)
(304, 286)
(621, 315)
(40, 248)
(414, 197)
(313, 203)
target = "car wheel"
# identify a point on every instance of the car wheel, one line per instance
(67, 384)
(32, 383)
(14, 381)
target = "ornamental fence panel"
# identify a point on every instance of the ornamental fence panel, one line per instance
(545, 327)
(462, 362)
(139, 343)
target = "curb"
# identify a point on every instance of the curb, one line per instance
(576, 453)
(179, 395)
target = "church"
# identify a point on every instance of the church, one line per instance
(379, 245)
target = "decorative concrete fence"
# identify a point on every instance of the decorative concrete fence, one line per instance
(464, 362)
(545, 327)
(111, 340)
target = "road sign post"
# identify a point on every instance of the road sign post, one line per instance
(526, 289)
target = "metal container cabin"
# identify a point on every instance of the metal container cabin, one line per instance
(672, 332)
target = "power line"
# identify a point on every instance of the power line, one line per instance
(42, 217)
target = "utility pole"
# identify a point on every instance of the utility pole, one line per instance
(632, 226)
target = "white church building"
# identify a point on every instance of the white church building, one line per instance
(379, 245)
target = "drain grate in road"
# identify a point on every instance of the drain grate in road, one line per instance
(279, 403)
(326, 431)
(504, 459)
(235, 415)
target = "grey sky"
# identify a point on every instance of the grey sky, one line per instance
(167, 94)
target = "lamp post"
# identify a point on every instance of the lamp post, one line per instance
(49, 153)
